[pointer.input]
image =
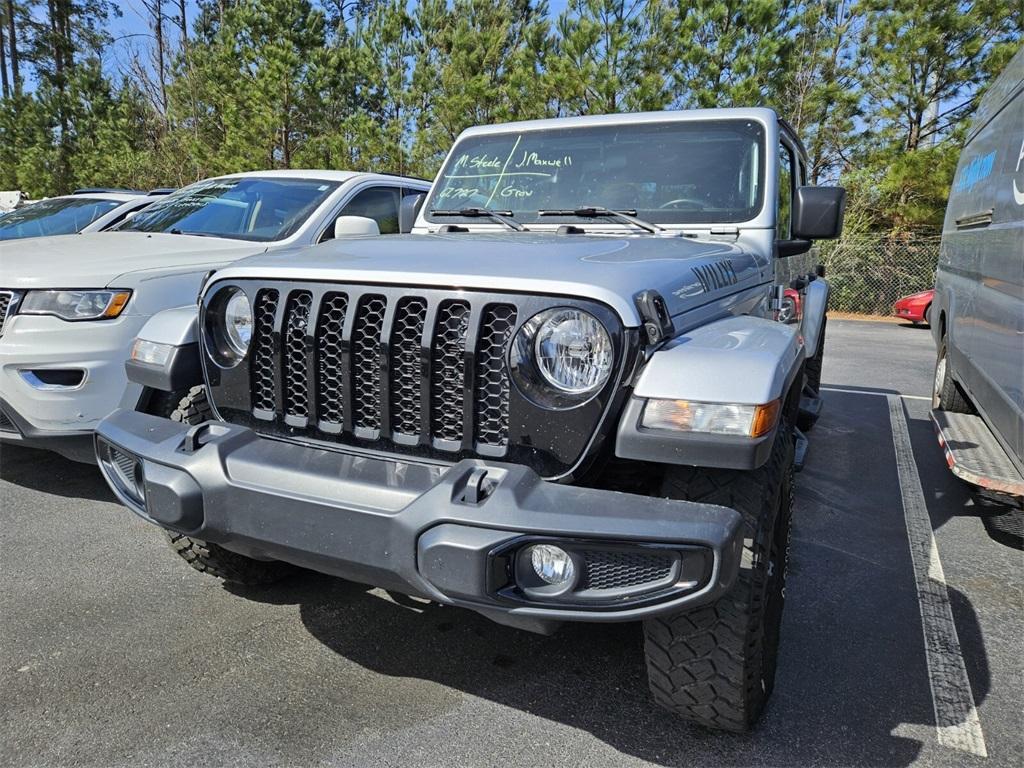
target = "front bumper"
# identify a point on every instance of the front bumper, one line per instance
(446, 533)
(92, 353)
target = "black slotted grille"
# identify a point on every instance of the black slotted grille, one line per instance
(366, 361)
(329, 372)
(406, 391)
(491, 388)
(416, 371)
(262, 370)
(448, 371)
(295, 375)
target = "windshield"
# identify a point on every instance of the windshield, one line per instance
(674, 172)
(260, 209)
(57, 216)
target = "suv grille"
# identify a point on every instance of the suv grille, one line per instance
(8, 302)
(400, 379)
(418, 371)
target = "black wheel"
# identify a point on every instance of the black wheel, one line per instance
(224, 564)
(928, 315)
(715, 665)
(193, 407)
(946, 393)
(787, 312)
(206, 557)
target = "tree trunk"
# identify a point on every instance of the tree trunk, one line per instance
(12, 35)
(5, 87)
(158, 32)
(183, 25)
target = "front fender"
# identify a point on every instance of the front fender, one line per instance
(740, 360)
(815, 305)
(176, 328)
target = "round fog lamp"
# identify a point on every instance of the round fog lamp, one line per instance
(551, 564)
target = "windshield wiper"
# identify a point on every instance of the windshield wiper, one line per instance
(470, 213)
(176, 231)
(596, 211)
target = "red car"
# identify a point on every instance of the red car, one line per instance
(790, 310)
(915, 307)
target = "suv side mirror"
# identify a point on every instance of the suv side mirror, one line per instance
(408, 211)
(818, 213)
(346, 226)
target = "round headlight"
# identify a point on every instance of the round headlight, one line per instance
(238, 323)
(227, 326)
(561, 358)
(573, 351)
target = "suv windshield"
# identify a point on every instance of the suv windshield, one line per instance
(260, 209)
(59, 216)
(673, 172)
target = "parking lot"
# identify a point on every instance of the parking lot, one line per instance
(114, 652)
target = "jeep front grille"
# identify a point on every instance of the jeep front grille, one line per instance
(407, 370)
(370, 379)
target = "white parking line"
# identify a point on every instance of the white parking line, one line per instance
(956, 718)
(875, 394)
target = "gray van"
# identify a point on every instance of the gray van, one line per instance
(978, 310)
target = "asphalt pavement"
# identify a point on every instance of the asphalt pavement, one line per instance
(115, 653)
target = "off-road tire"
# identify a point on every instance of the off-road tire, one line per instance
(715, 665)
(946, 393)
(812, 369)
(194, 408)
(224, 564)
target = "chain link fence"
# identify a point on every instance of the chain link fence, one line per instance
(868, 272)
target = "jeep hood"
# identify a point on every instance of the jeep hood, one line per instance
(96, 260)
(610, 269)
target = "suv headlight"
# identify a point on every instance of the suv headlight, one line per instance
(562, 357)
(229, 327)
(75, 305)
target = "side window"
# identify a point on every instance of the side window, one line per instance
(785, 201)
(377, 203)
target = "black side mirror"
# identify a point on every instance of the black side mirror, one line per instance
(408, 211)
(818, 213)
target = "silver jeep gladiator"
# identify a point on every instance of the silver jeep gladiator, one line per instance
(562, 396)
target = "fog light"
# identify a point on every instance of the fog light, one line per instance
(551, 564)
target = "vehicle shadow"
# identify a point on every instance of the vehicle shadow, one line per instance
(853, 680)
(49, 472)
(853, 686)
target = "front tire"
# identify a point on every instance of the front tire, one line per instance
(194, 408)
(715, 665)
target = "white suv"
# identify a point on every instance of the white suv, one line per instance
(71, 305)
(85, 210)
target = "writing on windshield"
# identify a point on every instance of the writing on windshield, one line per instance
(675, 171)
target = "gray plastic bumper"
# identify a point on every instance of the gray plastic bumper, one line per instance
(447, 533)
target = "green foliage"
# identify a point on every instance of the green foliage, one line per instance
(880, 90)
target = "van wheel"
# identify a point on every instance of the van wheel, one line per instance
(715, 665)
(946, 393)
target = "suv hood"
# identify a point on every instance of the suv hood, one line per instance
(94, 260)
(610, 269)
